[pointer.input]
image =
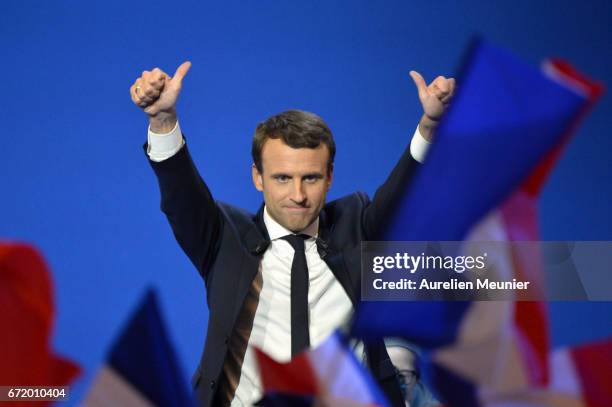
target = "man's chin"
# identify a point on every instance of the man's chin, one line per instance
(298, 226)
(294, 223)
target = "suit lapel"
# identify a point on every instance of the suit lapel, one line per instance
(255, 239)
(333, 256)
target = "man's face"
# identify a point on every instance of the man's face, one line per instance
(404, 361)
(294, 182)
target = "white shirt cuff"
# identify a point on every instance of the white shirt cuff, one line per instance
(163, 146)
(419, 146)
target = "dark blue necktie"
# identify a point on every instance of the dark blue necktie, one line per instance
(300, 336)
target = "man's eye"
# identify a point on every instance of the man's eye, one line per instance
(282, 178)
(311, 179)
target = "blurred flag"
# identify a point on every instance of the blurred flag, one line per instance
(26, 317)
(579, 378)
(326, 376)
(524, 324)
(504, 119)
(142, 368)
(583, 373)
(494, 149)
(505, 127)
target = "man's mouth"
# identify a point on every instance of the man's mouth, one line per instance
(296, 209)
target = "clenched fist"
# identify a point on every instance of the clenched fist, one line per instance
(156, 93)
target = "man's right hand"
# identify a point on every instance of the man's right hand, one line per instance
(156, 94)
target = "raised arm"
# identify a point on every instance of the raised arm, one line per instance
(185, 198)
(434, 99)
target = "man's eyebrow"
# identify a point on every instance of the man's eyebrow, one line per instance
(307, 175)
(313, 175)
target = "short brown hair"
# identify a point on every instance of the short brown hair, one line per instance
(297, 129)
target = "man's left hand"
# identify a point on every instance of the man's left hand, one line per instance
(434, 98)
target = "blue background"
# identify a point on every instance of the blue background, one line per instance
(75, 182)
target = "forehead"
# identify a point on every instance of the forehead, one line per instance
(276, 156)
(401, 357)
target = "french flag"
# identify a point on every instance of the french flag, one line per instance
(328, 375)
(579, 377)
(27, 320)
(480, 182)
(141, 369)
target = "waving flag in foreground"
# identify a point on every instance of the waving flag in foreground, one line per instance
(26, 301)
(578, 378)
(326, 376)
(507, 122)
(504, 119)
(579, 375)
(500, 138)
(142, 369)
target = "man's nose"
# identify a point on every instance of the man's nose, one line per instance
(297, 192)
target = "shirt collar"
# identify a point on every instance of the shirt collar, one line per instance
(276, 230)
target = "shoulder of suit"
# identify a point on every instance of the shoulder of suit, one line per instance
(348, 203)
(233, 212)
(356, 198)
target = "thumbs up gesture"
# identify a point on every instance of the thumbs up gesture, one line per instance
(434, 98)
(155, 92)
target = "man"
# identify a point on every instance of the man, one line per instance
(284, 279)
(405, 357)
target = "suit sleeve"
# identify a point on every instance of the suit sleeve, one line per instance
(379, 211)
(190, 208)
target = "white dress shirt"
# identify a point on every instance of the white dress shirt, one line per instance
(265, 319)
(269, 299)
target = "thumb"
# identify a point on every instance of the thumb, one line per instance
(181, 71)
(420, 84)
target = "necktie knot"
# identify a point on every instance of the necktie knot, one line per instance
(296, 241)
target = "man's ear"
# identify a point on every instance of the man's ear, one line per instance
(257, 178)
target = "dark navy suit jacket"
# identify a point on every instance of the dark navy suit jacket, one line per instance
(226, 245)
